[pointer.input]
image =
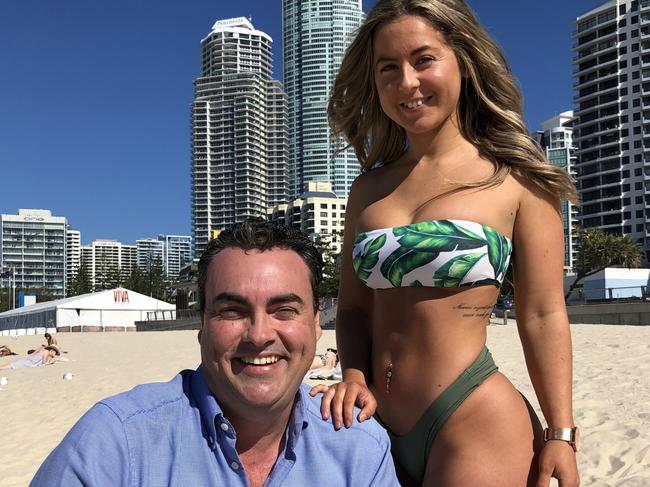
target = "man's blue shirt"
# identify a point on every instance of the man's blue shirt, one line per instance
(175, 433)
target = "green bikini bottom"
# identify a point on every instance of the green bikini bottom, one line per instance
(412, 449)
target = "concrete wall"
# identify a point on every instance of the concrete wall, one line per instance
(611, 314)
(165, 325)
(94, 328)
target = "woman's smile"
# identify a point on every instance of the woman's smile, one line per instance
(417, 76)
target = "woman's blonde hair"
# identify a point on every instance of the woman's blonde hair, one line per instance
(489, 108)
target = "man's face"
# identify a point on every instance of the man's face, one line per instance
(259, 330)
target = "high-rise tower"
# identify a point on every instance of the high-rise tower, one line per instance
(174, 252)
(239, 134)
(72, 254)
(612, 125)
(33, 249)
(556, 138)
(104, 260)
(315, 34)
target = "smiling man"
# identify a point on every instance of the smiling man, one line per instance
(242, 418)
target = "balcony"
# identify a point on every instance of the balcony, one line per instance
(603, 20)
(599, 62)
(600, 46)
(597, 93)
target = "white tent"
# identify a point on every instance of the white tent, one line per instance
(111, 310)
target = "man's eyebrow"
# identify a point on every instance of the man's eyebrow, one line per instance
(414, 52)
(286, 298)
(230, 297)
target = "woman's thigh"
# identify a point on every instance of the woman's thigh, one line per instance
(491, 440)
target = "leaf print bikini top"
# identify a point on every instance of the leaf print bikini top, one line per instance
(437, 253)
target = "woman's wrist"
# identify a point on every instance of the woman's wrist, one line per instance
(354, 375)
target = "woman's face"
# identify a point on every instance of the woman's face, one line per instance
(416, 75)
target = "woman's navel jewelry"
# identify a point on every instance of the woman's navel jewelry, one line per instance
(389, 375)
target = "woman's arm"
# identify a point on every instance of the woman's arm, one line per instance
(48, 357)
(543, 324)
(353, 332)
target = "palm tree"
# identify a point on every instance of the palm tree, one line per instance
(598, 250)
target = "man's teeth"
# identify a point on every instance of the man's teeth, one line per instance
(260, 360)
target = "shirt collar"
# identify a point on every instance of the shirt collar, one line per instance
(208, 406)
(298, 420)
(210, 410)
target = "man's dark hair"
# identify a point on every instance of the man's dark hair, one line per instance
(258, 234)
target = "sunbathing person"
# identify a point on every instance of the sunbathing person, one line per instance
(323, 366)
(328, 359)
(43, 356)
(50, 341)
(5, 351)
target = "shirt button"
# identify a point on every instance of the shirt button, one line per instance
(234, 466)
(224, 427)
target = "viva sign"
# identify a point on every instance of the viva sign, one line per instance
(121, 296)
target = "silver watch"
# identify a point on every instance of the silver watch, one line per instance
(570, 435)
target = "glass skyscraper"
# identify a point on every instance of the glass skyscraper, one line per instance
(556, 138)
(315, 34)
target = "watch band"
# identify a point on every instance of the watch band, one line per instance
(570, 435)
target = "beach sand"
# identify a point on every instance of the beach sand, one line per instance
(611, 392)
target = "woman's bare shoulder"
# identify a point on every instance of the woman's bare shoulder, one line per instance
(368, 183)
(530, 193)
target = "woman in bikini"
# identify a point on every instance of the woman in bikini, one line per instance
(452, 188)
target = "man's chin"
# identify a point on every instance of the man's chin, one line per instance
(273, 398)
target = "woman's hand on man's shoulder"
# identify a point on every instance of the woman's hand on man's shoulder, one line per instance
(339, 400)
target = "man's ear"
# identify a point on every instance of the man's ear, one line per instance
(319, 330)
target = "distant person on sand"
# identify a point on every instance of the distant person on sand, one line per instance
(5, 351)
(43, 356)
(50, 341)
(242, 418)
(323, 366)
(329, 359)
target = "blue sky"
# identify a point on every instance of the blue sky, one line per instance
(95, 97)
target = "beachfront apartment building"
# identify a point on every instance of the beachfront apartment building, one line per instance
(556, 138)
(318, 212)
(104, 258)
(148, 251)
(173, 251)
(128, 257)
(611, 132)
(72, 253)
(315, 34)
(239, 130)
(178, 253)
(33, 250)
